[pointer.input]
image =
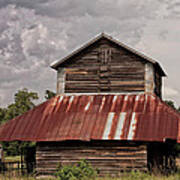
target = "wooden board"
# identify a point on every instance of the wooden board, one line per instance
(106, 68)
(110, 158)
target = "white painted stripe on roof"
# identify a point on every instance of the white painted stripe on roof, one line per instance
(126, 98)
(70, 103)
(120, 125)
(132, 127)
(114, 98)
(89, 103)
(113, 103)
(137, 98)
(87, 106)
(61, 98)
(102, 103)
(109, 123)
(71, 99)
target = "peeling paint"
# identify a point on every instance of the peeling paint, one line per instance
(109, 123)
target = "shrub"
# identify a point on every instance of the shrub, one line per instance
(81, 171)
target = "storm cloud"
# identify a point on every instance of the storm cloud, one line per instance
(33, 34)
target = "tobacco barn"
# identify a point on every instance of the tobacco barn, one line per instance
(108, 110)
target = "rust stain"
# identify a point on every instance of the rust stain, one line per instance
(141, 117)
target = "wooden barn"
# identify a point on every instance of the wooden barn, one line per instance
(108, 110)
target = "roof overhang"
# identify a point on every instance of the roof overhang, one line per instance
(86, 117)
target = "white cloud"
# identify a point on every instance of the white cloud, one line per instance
(170, 92)
(34, 33)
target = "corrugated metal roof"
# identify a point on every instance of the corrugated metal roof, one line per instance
(141, 117)
(56, 64)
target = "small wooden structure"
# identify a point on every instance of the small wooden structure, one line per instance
(108, 110)
(106, 65)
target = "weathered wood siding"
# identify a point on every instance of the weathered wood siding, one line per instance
(149, 78)
(158, 84)
(103, 67)
(109, 157)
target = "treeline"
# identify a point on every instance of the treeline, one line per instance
(24, 100)
(171, 103)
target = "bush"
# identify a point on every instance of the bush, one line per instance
(81, 171)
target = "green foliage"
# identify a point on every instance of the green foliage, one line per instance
(170, 103)
(49, 94)
(23, 101)
(2, 115)
(11, 148)
(127, 176)
(81, 171)
(136, 175)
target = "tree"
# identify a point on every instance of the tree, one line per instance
(2, 115)
(49, 94)
(170, 103)
(23, 101)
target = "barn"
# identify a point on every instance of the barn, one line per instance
(108, 110)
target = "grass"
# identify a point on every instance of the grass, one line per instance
(125, 176)
(12, 158)
(128, 176)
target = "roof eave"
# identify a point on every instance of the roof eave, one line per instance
(59, 62)
(162, 72)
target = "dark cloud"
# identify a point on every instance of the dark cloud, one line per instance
(79, 8)
(22, 3)
(35, 33)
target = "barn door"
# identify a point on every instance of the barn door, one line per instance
(104, 69)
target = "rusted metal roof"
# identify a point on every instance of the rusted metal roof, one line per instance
(56, 64)
(141, 117)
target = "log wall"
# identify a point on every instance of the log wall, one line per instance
(108, 157)
(104, 67)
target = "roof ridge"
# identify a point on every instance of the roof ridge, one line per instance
(55, 64)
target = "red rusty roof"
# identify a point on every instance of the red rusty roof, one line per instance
(141, 117)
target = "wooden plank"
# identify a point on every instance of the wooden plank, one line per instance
(79, 83)
(126, 77)
(130, 89)
(104, 67)
(50, 147)
(110, 158)
(128, 83)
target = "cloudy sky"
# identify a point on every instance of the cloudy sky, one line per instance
(34, 33)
